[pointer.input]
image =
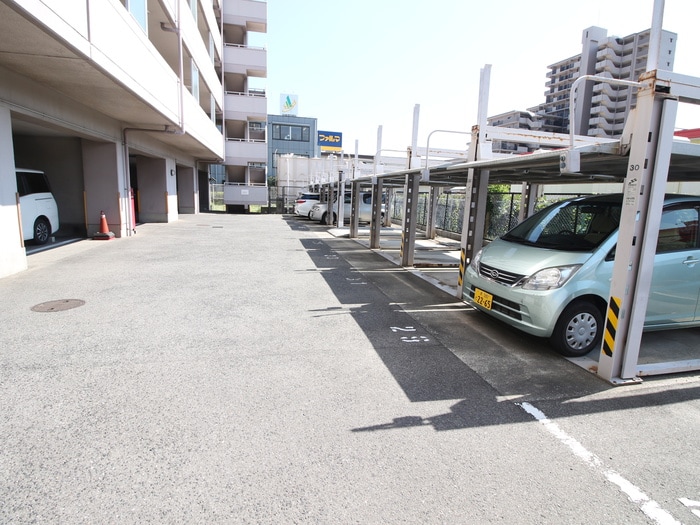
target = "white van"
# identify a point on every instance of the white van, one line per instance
(38, 207)
(318, 211)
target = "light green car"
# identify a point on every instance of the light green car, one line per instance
(550, 275)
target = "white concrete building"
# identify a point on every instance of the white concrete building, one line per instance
(517, 120)
(245, 104)
(603, 106)
(114, 98)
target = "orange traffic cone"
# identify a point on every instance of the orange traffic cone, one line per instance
(104, 234)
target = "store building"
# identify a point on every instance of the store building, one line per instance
(290, 134)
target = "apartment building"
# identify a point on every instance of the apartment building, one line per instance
(518, 120)
(244, 124)
(124, 104)
(603, 107)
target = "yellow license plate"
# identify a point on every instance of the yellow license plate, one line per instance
(483, 298)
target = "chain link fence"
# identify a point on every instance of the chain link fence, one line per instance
(502, 211)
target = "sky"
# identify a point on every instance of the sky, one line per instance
(356, 65)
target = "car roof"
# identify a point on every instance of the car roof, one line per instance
(616, 198)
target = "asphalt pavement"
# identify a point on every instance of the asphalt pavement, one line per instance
(259, 369)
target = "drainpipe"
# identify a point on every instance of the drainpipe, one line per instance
(130, 226)
(181, 73)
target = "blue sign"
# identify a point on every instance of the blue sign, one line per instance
(330, 140)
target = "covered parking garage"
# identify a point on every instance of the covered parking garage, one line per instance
(76, 104)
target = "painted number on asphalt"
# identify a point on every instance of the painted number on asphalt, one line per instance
(399, 329)
(415, 339)
(410, 339)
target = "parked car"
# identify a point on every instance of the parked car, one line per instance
(38, 207)
(318, 211)
(550, 275)
(304, 203)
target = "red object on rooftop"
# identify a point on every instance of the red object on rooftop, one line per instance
(688, 133)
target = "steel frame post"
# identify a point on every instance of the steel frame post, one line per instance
(341, 199)
(528, 199)
(329, 206)
(477, 186)
(643, 196)
(375, 225)
(664, 145)
(430, 230)
(408, 231)
(473, 221)
(474, 212)
(354, 210)
(387, 214)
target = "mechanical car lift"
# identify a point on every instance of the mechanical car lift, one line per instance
(649, 142)
(646, 146)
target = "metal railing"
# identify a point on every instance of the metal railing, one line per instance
(502, 211)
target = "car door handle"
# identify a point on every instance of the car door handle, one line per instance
(690, 262)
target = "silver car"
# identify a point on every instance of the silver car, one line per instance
(550, 275)
(318, 211)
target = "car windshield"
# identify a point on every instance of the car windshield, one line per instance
(579, 225)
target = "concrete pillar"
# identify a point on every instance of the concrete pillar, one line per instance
(103, 171)
(157, 183)
(187, 190)
(13, 258)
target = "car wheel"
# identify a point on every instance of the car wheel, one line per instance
(578, 330)
(323, 218)
(42, 230)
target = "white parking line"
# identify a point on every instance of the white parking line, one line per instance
(691, 503)
(646, 504)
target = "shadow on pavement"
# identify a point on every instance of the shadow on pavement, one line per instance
(420, 359)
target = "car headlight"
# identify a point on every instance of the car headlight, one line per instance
(474, 264)
(550, 278)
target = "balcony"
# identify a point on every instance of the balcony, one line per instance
(245, 194)
(240, 152)
(245, 60)
(246, 13)
(245, 106)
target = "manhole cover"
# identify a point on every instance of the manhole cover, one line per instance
(58, 306)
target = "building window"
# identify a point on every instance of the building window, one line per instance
(293, 133)
(195, 80)
(138, 10)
